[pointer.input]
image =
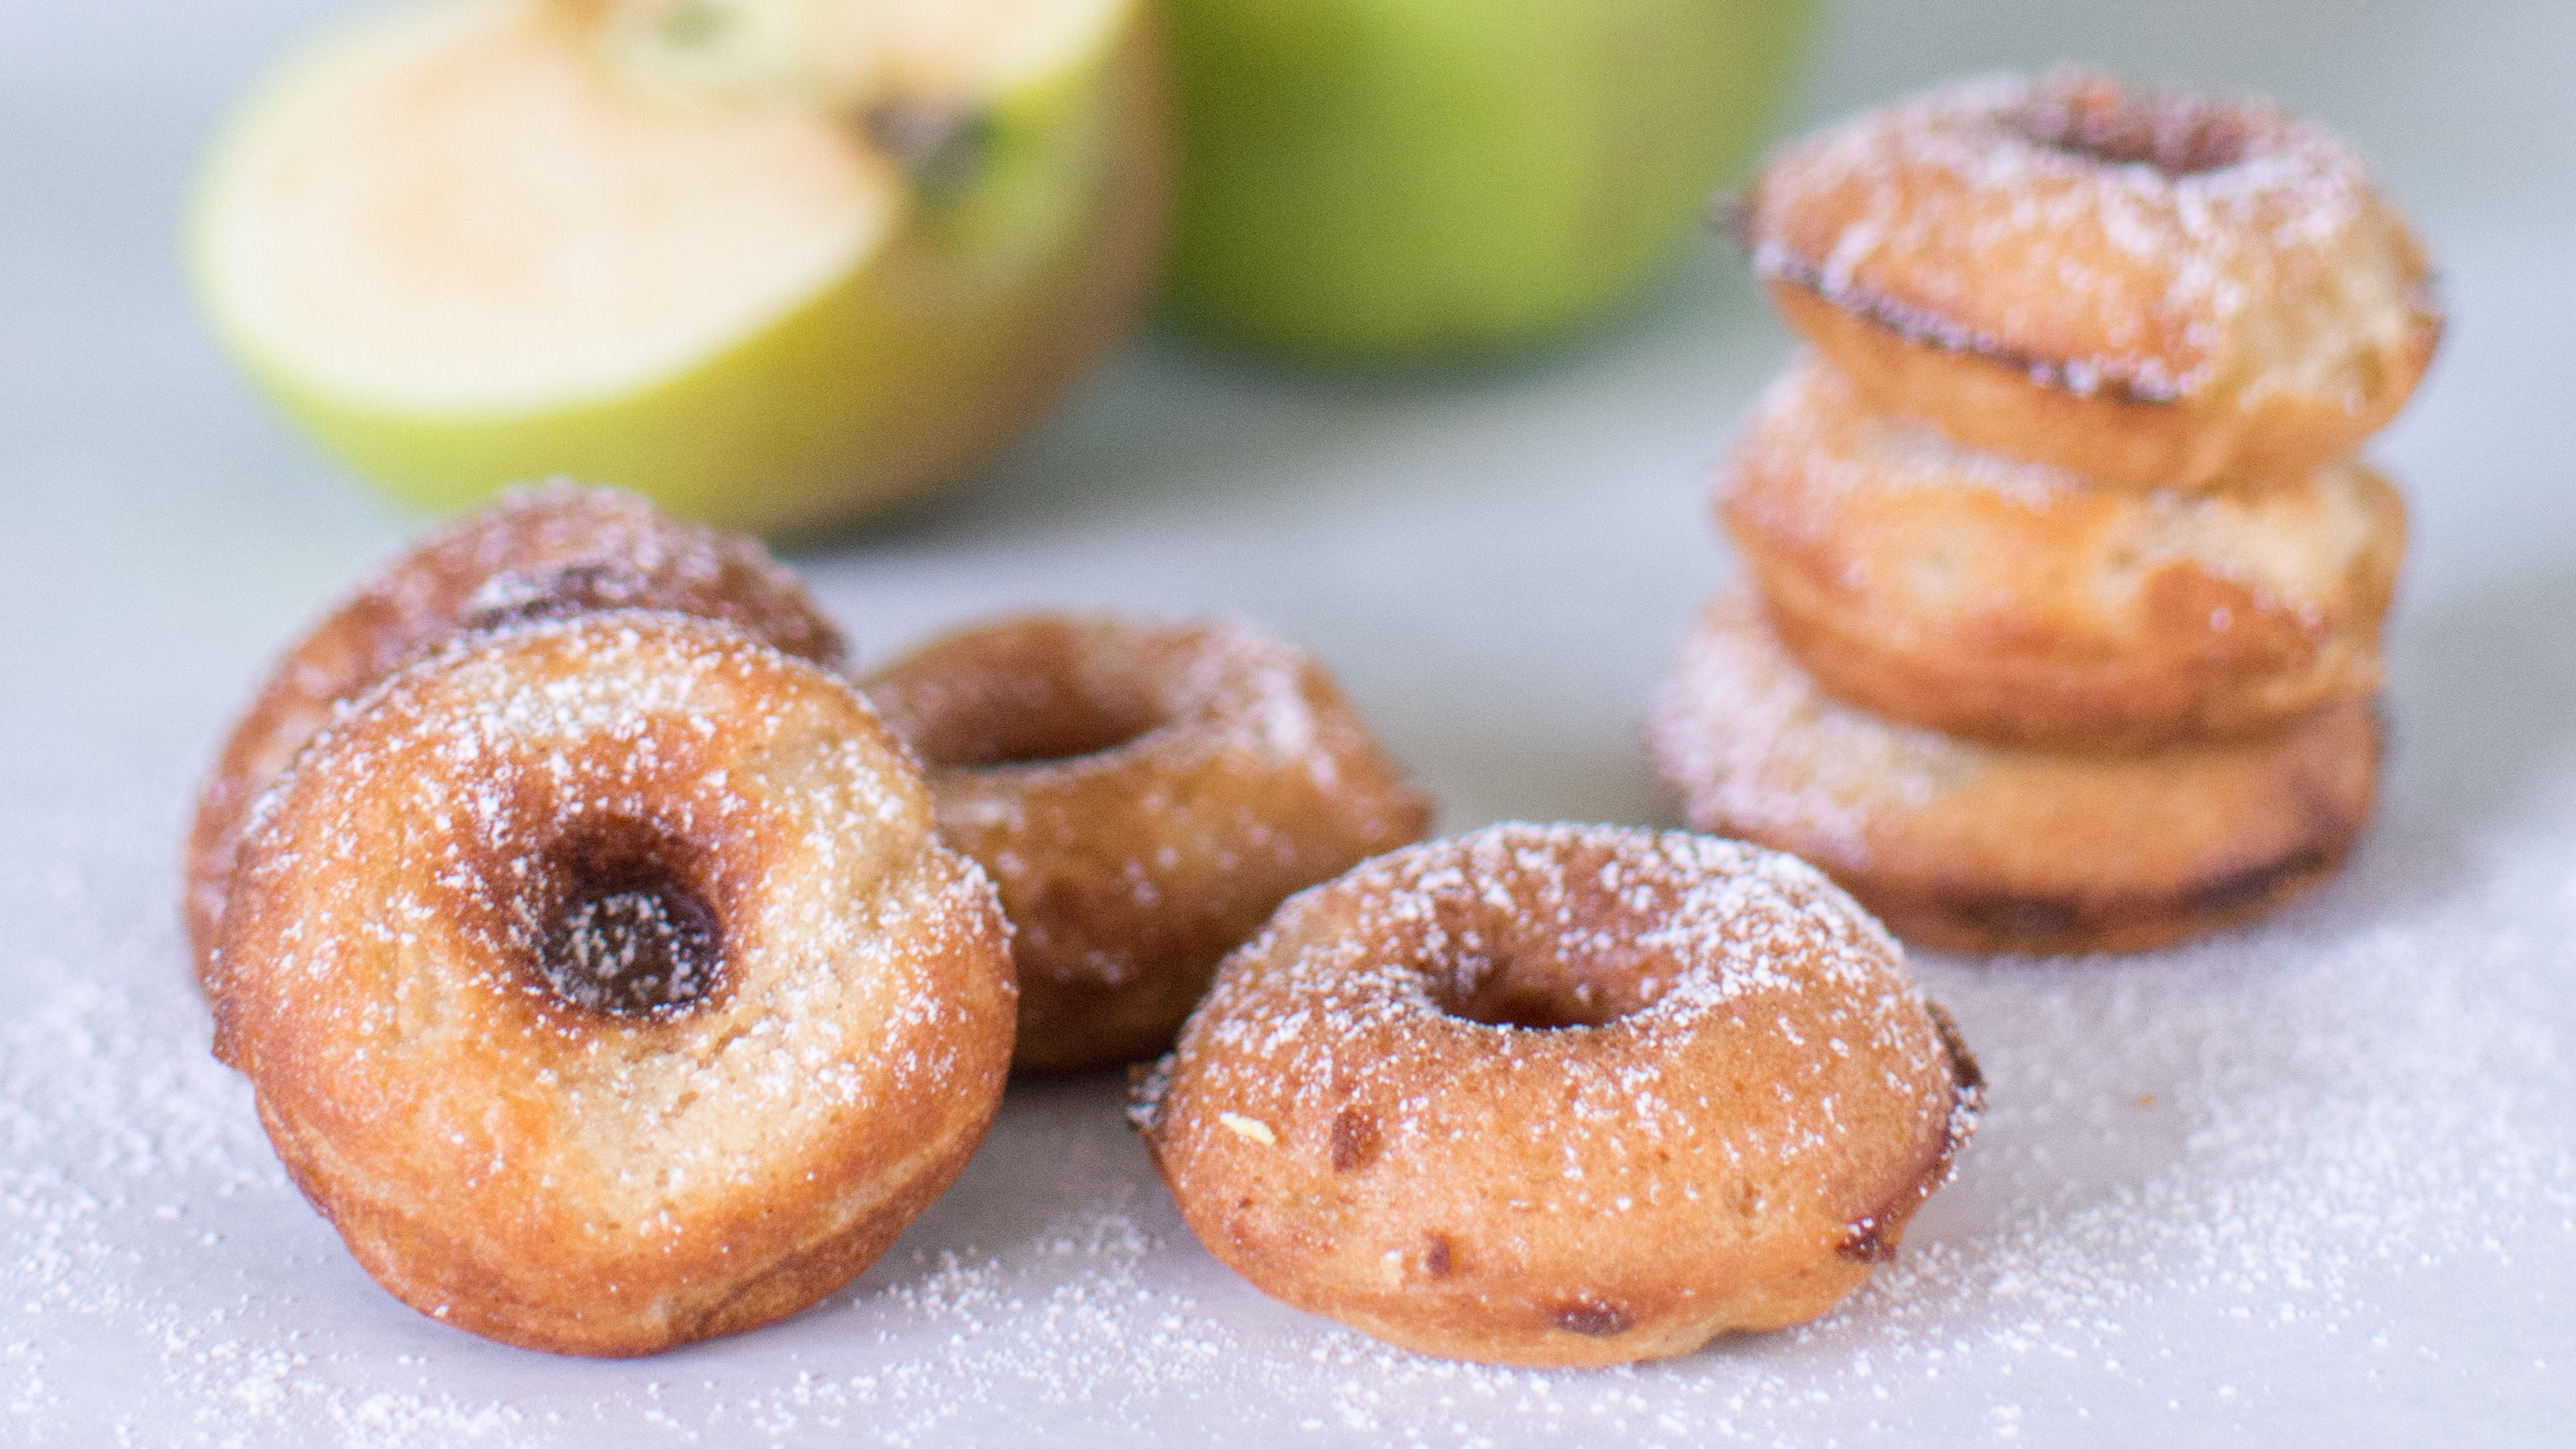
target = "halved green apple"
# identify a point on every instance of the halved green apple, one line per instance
(775, 263)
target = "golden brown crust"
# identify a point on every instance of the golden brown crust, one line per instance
(1561, 1096)
(2011, 602)
(1983, 848)
(1144, 795)
(542, 551)
(511, 1131)
(2156, 290)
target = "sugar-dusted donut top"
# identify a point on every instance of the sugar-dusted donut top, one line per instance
(2110, 239)
(552, 797)
(1606, 992)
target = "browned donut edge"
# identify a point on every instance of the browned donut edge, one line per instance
(1938, 868)
(393, 1247)
(1985, 396)
(1956, 917)
(1971, 922)
(1965, 917)
(1874, 1237)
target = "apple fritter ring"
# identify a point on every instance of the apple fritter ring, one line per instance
(1561, 1096)
(602, 982)
(1975, 847)
(1144, 794)
(2011, 602)
(546, 550)
(2157, 290)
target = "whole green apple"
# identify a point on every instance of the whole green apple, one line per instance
(1366, 178)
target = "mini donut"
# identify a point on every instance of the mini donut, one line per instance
(2007, 601)
(2154, 289)
(549, 549)
(1975, 847)
(1145, 795)
(1561, 1096)
(603, 984)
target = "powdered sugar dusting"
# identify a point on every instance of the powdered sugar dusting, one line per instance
(2171, 245)
(1725, 920)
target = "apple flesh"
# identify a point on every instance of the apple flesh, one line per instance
(777, 264)
(1365, 178)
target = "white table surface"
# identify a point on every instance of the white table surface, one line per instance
(2311, 1182)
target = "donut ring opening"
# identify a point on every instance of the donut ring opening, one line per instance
(1520, 984)
(2097, 121)
(633, 932)
(1042, 717)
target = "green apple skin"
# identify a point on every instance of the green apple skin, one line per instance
(904, 377)
(1386, 178)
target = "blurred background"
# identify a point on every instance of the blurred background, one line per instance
(1498, 556)
(147, 477)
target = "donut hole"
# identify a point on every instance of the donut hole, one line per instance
(527, 596)
(630, 933)
(1537, 990)
(1039, 721)
(2105, 124)
(1082, 725)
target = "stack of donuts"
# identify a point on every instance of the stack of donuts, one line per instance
(2066, 585)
